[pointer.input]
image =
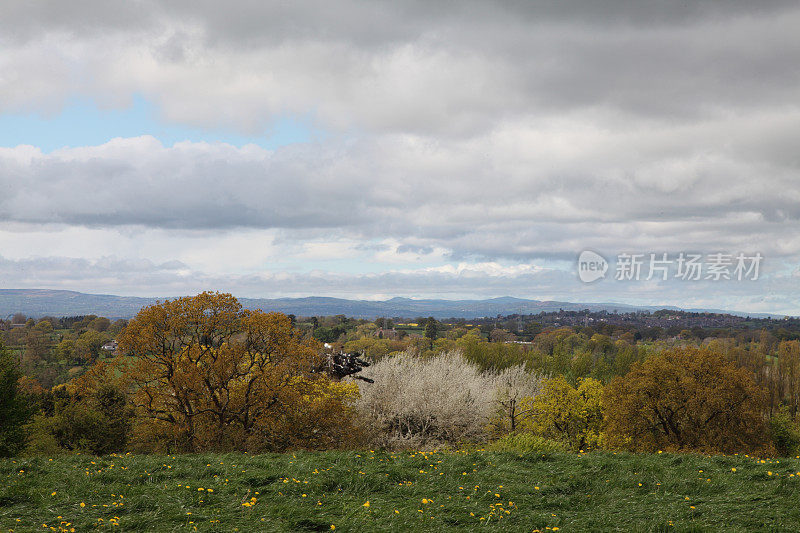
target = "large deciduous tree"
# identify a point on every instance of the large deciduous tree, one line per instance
(204, 373)
(686, 399)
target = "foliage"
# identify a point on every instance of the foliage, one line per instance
(785, 433)
(206, 374)
(94, 422)
(319, 417)
(416, 401)
(685, 399)
(87, 347)
(510, 387)
(374, 347)
(491, 356)
(14, 407)
(431, 329)
(572, 415)
(329, 334)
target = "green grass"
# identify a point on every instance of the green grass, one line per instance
(406, 492)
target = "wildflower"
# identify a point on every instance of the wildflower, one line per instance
(366, 504)
(83, 504)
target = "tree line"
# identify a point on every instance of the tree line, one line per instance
(202, 373)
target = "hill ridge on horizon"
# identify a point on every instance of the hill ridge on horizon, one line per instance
(64, 302)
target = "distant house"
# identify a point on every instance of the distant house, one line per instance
(110, 346)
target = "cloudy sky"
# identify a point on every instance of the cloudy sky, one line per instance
(376, 149)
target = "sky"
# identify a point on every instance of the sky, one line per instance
(372, 149)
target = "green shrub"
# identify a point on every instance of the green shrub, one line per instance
(15, 410)
(96, 423)
(526, 443)
(785, 433)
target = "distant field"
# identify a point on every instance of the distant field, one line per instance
(400, 492)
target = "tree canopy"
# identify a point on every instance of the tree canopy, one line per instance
(685, 399)
(204, 373)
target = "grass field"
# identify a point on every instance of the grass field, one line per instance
(400, 492)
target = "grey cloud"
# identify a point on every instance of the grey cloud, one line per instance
(442, 68)
(24, 20)
(410, 248)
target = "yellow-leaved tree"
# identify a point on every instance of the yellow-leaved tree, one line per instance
(205, 374)
(690, 399)
(573, 415)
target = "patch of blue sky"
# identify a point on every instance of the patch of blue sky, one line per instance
(82, 123)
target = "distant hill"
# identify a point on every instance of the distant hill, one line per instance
(41, 302)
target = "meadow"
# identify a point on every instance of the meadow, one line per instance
(400, 491)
